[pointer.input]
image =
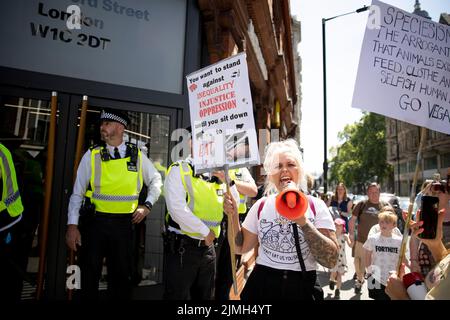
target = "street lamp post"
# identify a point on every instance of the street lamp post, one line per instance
(325, 162)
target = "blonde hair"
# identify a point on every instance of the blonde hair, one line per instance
(271, 160)
(425, 184)
(388, 214)
(309, 181)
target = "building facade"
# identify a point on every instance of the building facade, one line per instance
(402, 140)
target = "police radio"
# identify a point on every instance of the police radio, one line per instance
(104, 154)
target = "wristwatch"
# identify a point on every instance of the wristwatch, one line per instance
(149, 205)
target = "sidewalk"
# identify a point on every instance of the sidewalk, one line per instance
(348, 284)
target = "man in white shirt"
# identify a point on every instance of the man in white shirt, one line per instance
(195, 211)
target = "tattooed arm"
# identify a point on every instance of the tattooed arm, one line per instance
(322, 243)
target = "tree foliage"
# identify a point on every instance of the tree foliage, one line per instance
(361, 158)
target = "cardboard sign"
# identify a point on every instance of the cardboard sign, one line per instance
(404, 68)
(221, 109)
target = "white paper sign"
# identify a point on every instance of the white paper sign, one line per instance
(221, 109)
(404, 68)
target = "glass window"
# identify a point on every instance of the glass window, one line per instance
(445, 160)
(25, 120)
(150, 132)
(412, 165)
(404, 188)
(430, 163)
(403, 167)
(24, 127)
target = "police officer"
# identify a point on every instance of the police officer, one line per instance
(11, 208)
(246, 187)
(195, 211)
(110, 177)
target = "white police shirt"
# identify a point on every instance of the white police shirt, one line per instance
(151, 176)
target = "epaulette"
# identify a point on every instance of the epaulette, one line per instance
(175, 164)
(95, 146)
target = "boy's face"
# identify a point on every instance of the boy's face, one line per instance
(386, 226)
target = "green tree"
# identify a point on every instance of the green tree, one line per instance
(362, 155)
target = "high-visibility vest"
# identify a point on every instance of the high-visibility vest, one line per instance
(204, 199)
(116, 183)
(242, 208)
(11, 200)
(162, 170)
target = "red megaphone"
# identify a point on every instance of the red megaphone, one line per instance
(291, 203)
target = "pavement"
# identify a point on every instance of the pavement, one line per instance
(153, 291)
(348, 284)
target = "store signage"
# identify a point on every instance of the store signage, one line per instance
(133, 43)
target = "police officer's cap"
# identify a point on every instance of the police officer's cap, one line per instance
(115, 115)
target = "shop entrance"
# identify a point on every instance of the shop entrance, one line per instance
(24, 129)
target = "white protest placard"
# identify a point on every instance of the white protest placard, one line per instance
(221, 109)
(404, 68)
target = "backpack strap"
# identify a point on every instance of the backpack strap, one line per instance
(261, 206)
(311, 204)
(298, 248)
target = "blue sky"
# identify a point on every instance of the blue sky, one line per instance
(344, 36)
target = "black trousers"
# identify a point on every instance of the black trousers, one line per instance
(376, 290)
(13, 262)
(266, 283)
(107, 237)
(189, 272)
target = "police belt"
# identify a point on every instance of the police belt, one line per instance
(113, 215)
(191, 241)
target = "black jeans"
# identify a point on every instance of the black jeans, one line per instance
(107, 237)
(189, 272)
(376, 290)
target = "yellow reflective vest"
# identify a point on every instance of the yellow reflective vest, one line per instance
(11, 200)
(115, 183)
(162, 170)
(204, 199)
(242, 209)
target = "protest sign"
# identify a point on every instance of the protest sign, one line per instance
(221, 110)
(404, 68)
